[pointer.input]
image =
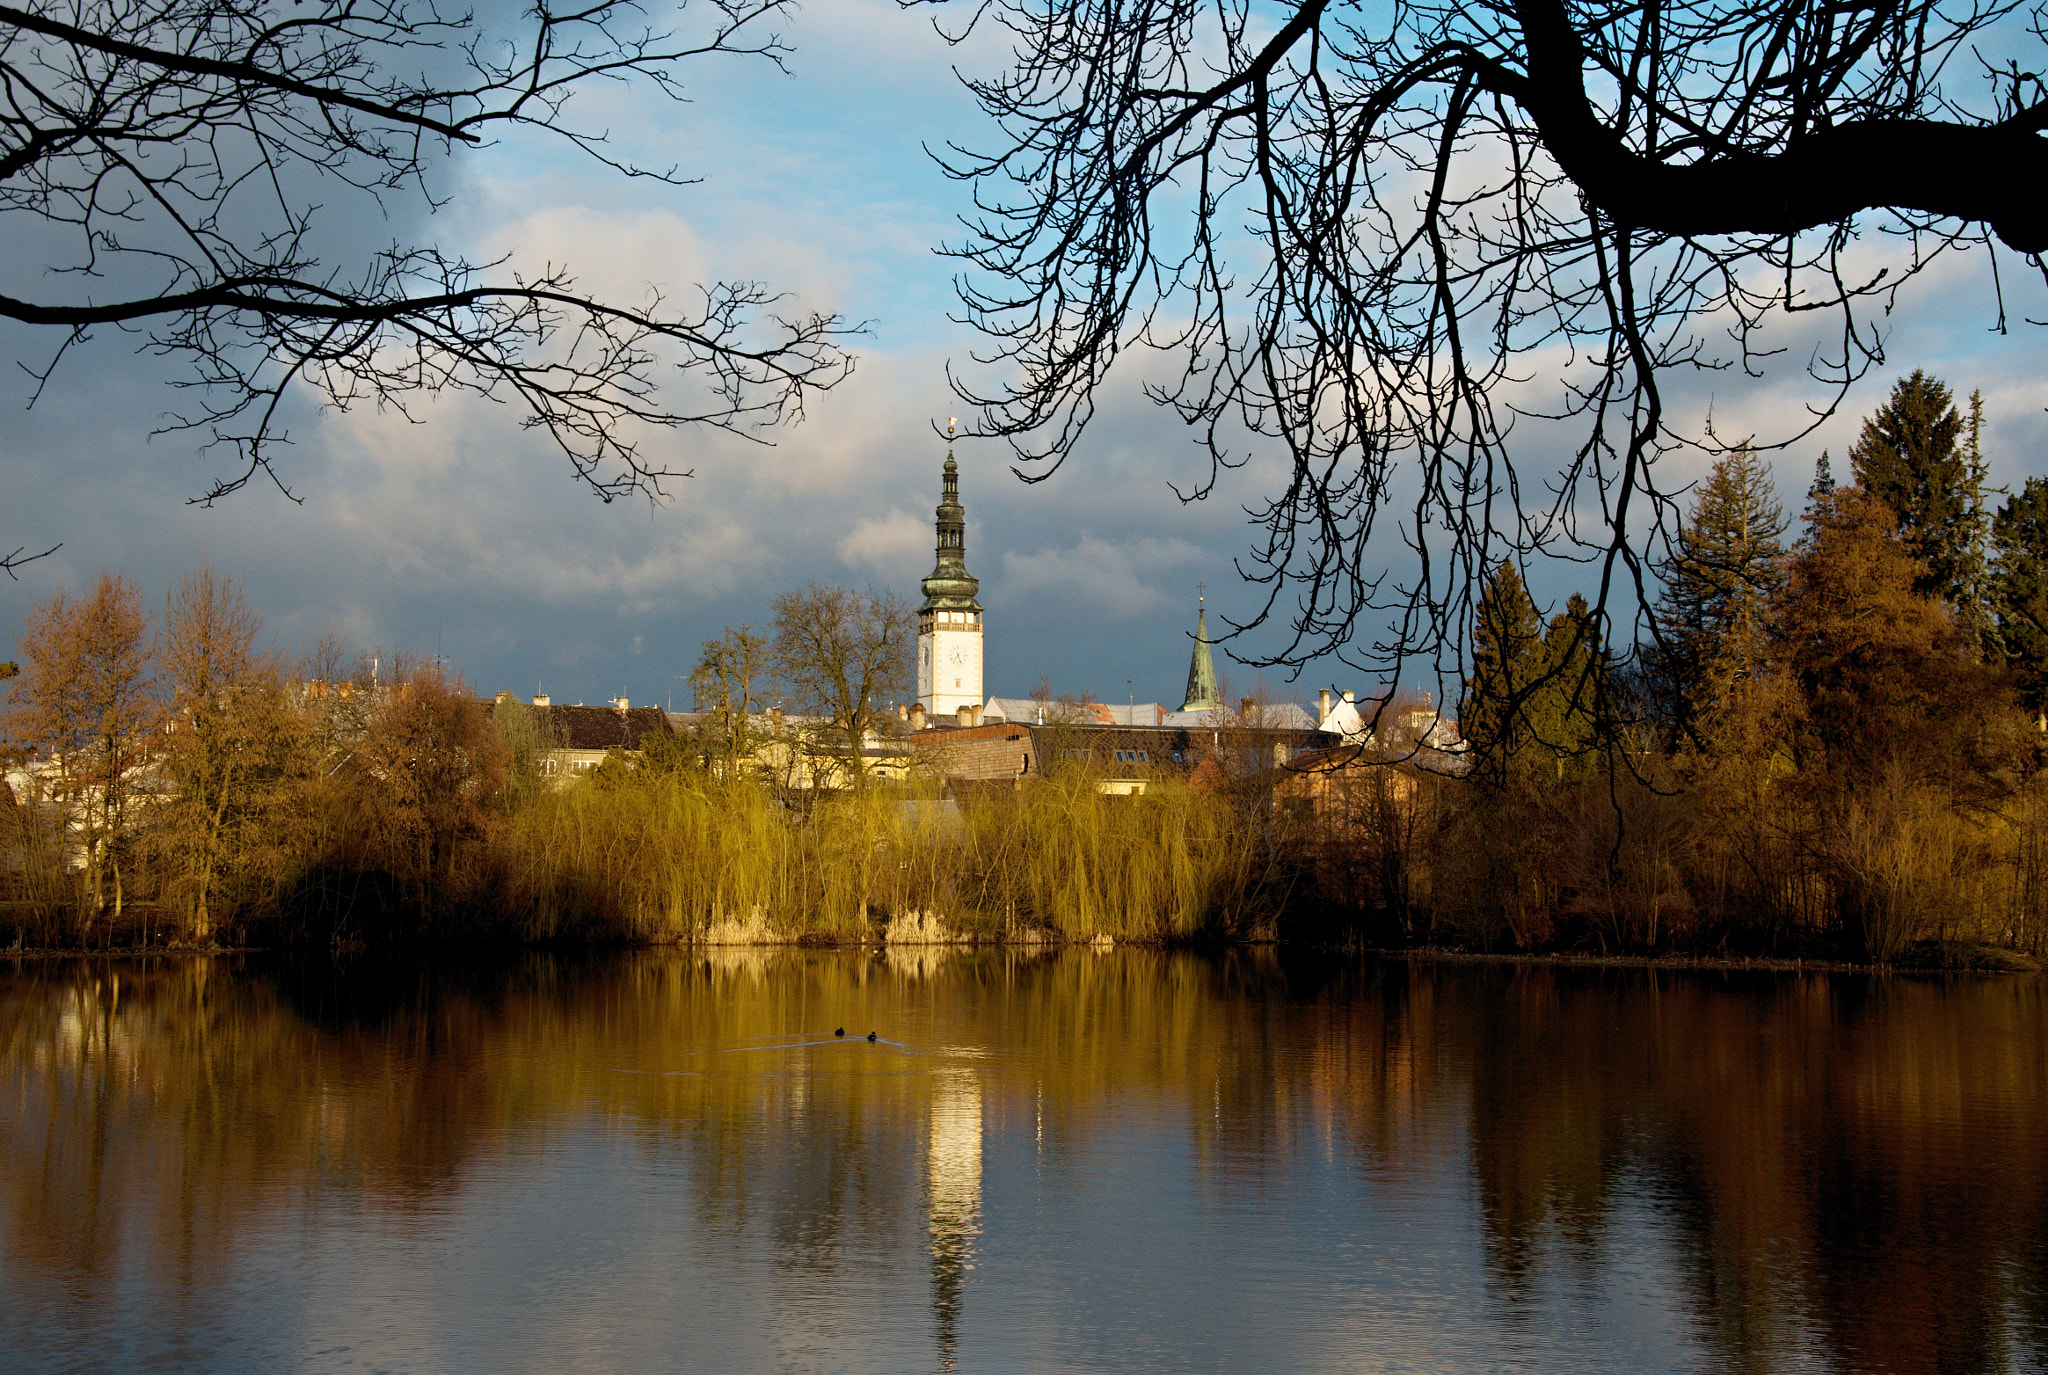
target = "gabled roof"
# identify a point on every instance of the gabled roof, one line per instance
(602, 728)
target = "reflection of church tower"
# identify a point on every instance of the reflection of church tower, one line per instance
(1202, 694)
(949, 622)
(953, 1169)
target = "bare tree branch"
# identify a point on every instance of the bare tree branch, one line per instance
(190, 147)
(1400, 243)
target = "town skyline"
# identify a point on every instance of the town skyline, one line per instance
(465, 536)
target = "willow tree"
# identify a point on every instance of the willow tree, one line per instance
(1379, 244)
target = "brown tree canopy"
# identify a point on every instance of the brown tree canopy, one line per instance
(1882, 667)
(191, 171)
(1382, 240)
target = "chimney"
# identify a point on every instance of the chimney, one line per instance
(1351, 697)
(1244, 704)
(1322, 705)
(503, 699)
(902, 712)
(775, 720)
(977, 715)
(917, 716)
(621, 703)
(965, 715)
(540, 699)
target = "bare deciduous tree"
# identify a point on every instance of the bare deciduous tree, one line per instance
(843, 655)
(1382, 241)
(235, 754)
(192, 170)
(727, 686)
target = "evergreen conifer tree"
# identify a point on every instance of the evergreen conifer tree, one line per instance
(1714, 619)
(1910, 458)
(1565, 709)
(1823, 478)
(1975, 594)
(1507, 662)
(1535, 691)
(2020, 534)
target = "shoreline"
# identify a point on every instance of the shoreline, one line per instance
(1982, 959)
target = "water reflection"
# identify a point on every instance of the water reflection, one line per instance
(953, 1174)
(1119, 1160)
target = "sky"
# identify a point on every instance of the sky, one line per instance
(455, 532)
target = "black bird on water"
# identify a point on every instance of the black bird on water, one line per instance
(871, 1035)
(840, 1032)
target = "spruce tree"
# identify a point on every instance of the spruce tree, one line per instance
(1535, 695)
(1566, 707)
(1910, 457)
(2020, 535)
(1507, 662)
(1713, 622)
(1975, 594)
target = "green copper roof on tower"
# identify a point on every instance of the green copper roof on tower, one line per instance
(1202, 694)
(950, 587)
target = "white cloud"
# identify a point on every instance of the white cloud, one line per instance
(886, 545)
(1125, 578)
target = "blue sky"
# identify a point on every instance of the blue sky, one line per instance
(466, 536)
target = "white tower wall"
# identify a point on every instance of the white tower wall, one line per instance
(949, 663)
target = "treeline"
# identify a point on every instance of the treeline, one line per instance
(1828, 747)
(170, 783)
(1831, 745)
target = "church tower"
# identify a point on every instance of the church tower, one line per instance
(949, 622)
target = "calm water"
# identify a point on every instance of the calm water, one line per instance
(1120, 1161)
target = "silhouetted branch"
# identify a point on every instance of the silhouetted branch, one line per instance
(188, 149)
(1453, 218)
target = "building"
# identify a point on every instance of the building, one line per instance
(1125, 758)
(949, 624)
(576, 739)
(1404, 727)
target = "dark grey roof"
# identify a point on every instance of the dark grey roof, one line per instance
(602, 728)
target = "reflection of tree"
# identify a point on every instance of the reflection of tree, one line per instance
(1855, 1169)
(1853, 1163)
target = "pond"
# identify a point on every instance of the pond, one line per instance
(1076, 1160)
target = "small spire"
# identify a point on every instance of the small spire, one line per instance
(1202, 694)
